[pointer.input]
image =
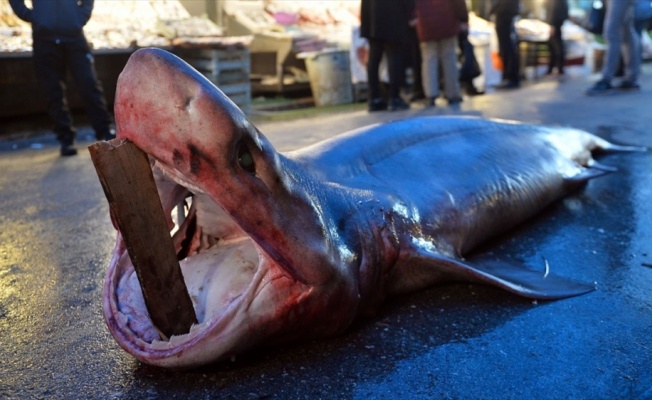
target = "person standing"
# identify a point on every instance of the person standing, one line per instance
(619, 33)
(386, 26)
(59, 45)
(556, 14)
(642, 18)
(505, 11)
(438, 24)
(470, 68)
(418, 93)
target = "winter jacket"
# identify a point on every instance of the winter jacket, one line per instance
(386, 20)
(556, 12)
(55, 19)
(439, 19)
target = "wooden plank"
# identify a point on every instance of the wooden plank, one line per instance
(128, 183)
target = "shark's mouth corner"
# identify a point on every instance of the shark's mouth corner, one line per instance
(223, 269)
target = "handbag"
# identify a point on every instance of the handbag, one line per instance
(470, 68)
(595, 21)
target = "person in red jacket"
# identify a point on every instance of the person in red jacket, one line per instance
(59, 45)
(438, 24)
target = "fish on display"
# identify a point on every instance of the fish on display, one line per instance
(277, 247)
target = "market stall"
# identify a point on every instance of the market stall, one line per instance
(116, 30)
(282, 31)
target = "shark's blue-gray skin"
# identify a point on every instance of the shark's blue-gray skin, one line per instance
(278, 247)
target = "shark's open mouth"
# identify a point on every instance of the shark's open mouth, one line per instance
(219, 261)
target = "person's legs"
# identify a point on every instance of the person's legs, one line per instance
(613, 34)
(513, 66)
(415, 50)
(448, 56)
(622, 40)
(396, 68)
(503, 35)
(508, 52)
(562, 51)
(557, 51)
(376, 100)
(50, 72)
(552, 55)
(631, 47)
(81, 63)
(430, 70)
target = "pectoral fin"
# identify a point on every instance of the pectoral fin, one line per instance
(523, 280)
(424, 268)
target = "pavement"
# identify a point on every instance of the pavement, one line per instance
(458, 341)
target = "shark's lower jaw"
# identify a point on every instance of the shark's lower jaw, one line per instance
(222, 267)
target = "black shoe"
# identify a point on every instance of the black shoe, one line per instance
(454, 101)
(430, 102)
(473, 91)
(417, 96)
(377, 105)
(67, 150)
(629, 86)
(507, 85)
(397, 104)
(107, 135)
(601, 88)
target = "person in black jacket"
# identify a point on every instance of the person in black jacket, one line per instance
(505, 11)
(556, 14)
(386, 26)
(59, 45)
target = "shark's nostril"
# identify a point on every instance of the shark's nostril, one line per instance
(186, 104)
(189, 100)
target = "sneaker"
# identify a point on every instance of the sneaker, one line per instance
(377, 104)
(629, 86)
(397, 104)
(67, 150)
(601, 87)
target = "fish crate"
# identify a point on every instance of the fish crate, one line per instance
(228, 69)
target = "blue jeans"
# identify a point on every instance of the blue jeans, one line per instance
(620, 35)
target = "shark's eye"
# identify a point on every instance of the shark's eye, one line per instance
(245, 160)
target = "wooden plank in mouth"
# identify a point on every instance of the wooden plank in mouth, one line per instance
(126, 177)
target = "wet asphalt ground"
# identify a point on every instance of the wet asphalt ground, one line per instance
(457, 341)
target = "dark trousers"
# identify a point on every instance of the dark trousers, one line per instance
(557, 51)
(395, 67)
(52, 59)
(415, 61)
(508, 47)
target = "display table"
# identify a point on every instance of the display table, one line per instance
(533, 53)
(21, 95)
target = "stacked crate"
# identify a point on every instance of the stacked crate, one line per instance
(228, 67)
